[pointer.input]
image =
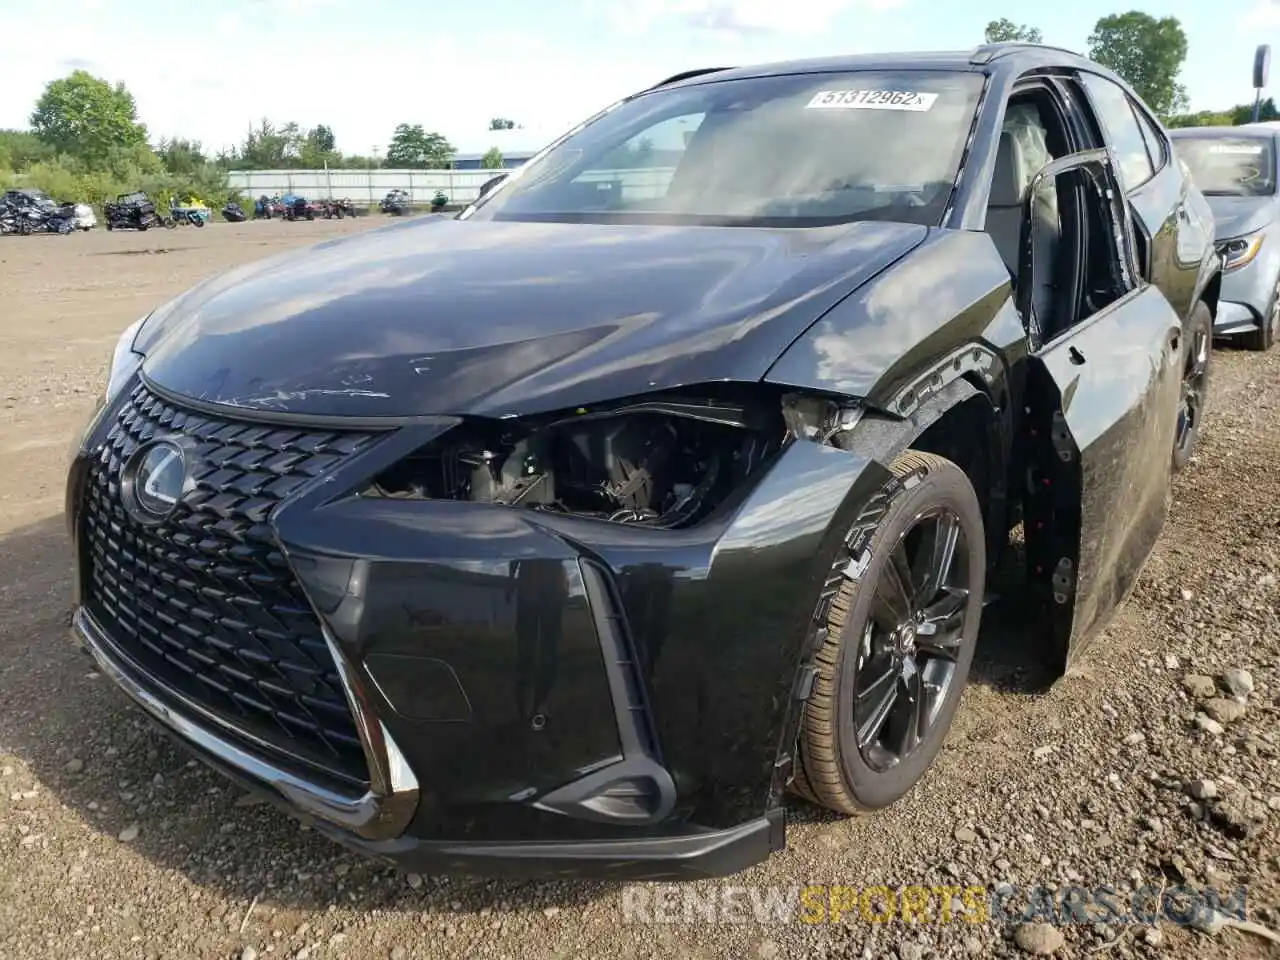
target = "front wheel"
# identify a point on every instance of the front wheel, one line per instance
(901, 630)
(1196, 361)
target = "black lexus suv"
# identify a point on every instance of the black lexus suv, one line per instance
(567, 535)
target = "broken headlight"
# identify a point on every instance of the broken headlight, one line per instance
(659, 463)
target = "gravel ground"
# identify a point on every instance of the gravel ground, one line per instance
(1153, 762)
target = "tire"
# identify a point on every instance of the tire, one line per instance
(1264, 339)
(1197, 358)
(832, 769)
(198, 221)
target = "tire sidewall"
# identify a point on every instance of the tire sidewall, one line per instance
(948, 488)
(1201, 321)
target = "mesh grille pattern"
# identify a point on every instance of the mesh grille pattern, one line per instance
(205, 602)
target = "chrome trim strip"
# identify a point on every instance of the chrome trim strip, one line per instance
(381, 813)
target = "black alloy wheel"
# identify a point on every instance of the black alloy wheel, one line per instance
(1197, 358)
(901, 630)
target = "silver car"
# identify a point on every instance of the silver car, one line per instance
(1235, 168)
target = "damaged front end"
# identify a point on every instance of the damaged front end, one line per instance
(578, 633)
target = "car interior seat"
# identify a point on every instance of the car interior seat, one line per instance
(1020, 154)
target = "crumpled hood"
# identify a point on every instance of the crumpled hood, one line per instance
(1236, 216)
(442, 316)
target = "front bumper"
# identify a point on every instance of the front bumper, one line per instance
(644, 731)
(358, 822)
(1235, 318)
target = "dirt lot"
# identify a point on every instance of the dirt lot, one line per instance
(113, 844)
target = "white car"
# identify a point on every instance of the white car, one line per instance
(84, 218)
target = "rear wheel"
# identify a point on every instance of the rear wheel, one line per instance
(1195, 384)
(901, 631)
(1264, 338)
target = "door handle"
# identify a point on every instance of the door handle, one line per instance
(1075, 356)
(1175, 340)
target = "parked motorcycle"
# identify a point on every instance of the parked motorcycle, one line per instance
(233, 212)
(266, 208)
(134, 211)
(192, 215)
(31, 211)
(397, 203)
(338, 208)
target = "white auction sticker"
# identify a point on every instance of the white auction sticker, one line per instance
(872, 100)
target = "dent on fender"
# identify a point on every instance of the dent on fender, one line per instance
(951, 290)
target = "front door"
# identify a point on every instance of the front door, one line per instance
(1102, 409)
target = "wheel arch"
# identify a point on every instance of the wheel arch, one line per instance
(963, 423)
(960, 420)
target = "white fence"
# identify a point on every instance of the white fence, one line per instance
(460, 186)
(363, 186)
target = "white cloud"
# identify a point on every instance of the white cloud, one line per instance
(739, 17)
(1263, 15)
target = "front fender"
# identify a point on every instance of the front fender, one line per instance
(916, 317)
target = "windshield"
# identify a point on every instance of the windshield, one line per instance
(1229, 166)
(799, 150)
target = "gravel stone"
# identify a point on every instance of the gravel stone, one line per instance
(1238, 682)
(1209, 725)
(1038, 939)
(1202, 789)
(128, 834)
(1199, 686)
(1224, 710)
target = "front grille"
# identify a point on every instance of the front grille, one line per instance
(205, 602)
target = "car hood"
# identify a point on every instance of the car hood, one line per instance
(1236, 216)
(444, 316)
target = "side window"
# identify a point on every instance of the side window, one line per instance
(1123, 132)
(1154, 138)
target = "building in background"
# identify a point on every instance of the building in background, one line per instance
(516, 147)
(475, 161)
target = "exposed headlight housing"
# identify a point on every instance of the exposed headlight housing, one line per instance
(1240, 251)
(664, 462)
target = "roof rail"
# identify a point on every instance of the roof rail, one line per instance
(688, 75)
(992, 51)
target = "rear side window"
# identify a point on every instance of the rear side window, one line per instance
(1123, 132)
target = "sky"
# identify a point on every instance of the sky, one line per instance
(205, 72)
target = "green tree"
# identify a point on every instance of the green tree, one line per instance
(1004, 29)
(492, 160)
(412, 146)
(320, 138)
(181, 157)
(86, 117)
(1147, 52)
(20, 149)
(501, 123)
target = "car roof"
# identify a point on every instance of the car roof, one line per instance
(988, 58)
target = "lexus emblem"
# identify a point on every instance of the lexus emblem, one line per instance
(154, 481)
